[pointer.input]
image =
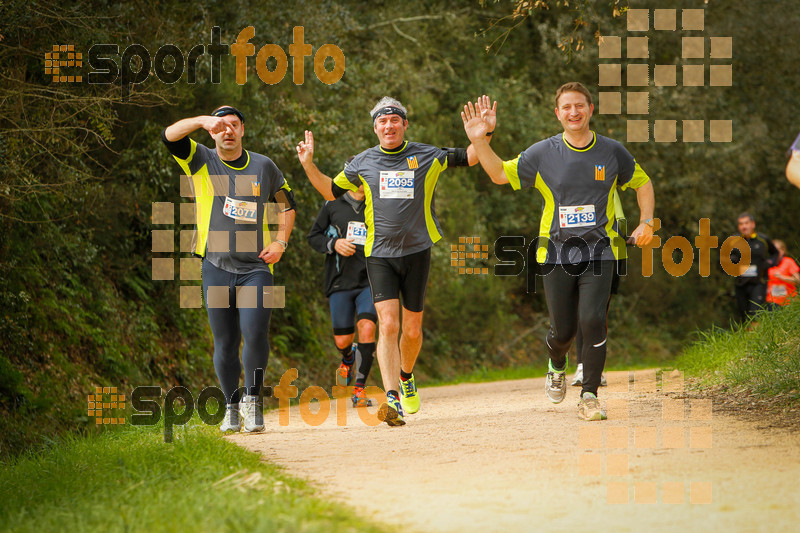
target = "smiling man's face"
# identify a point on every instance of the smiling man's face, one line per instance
(391, 130)
(574, 112)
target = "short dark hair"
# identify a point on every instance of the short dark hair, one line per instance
(574, 86)
(746, 215)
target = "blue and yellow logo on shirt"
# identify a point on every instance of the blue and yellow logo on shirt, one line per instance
(256, 188)
(600, 172)
(412, 162)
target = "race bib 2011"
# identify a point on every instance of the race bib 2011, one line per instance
(357, 232)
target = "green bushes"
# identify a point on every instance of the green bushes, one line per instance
(762, 357)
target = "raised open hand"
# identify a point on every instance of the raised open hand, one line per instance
(488, 111)
(305, 149)
(474, 124)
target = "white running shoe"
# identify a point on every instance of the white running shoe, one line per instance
(577, 379)
(603, 382)
(231, 422)
(589, 408)
(555, 385)
(253, 414)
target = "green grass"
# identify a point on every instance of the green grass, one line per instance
(764, 360)
(127, 479)
(483, 375)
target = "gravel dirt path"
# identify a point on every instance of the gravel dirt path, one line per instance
(500, 457)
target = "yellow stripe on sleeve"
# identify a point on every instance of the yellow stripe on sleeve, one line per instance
(342, 182)
(639, 178)
(510, 169)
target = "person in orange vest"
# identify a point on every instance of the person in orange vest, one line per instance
(784, 277)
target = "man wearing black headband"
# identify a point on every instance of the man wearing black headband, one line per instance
(399, 178)
(236, 194)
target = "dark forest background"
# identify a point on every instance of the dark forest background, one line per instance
(81, 165)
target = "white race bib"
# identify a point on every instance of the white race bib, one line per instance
(576, 216)
(779, 291)
(751, 272)
(240, 210)
(397, 184)
(357, 231)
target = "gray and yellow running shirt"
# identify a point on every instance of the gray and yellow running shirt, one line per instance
(231, 207)
(578, 187)
(399, 186)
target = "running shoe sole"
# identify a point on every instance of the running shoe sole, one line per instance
(389, 414)
(365, 402)
(596, 415)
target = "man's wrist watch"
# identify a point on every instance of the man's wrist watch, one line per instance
(648, 222)
(282, 243)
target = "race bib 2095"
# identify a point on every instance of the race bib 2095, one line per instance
(397, 184)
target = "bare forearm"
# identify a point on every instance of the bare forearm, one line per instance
(321, 182)
(788, 279)
(645, 196)
(793, 169)
(490, 161)
(472, 156)
(285, 225)
(184, 127)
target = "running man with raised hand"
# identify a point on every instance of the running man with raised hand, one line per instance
(576, 172)
(340, 233)
(235, 193)
(399, 178)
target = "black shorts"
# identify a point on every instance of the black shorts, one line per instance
(391, 277)
(347, 307)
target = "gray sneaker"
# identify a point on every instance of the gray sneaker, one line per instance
(253, 414)
(555, 385)
(589, 408)
(231, 422)
(603, 382)
(577, 379)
